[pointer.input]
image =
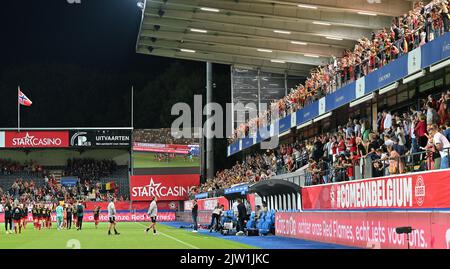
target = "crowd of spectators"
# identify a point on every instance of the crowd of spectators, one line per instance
(9, 167)
(50, 191)
(421, 25)
(412, 140)
(90, 169)
(161, 136)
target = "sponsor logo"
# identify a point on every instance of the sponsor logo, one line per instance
(172, 205)
(419, 191)
(332, 197)
(339, 99)
(33, 141)
(155, 189)
(384, 77)
(306, 114)
(446, 47)
(392, 192)
(80, 139)
(112, 138)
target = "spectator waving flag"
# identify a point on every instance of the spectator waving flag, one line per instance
(23, 100)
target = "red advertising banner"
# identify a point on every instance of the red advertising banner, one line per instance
(37, 139)
(207, 204)
(163, 187)
(368, 229)
(162, 148)
(120, 205)
(409, 191)
(120, 216)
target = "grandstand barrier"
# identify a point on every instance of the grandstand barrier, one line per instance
(203, 218)
(365, 213)
(422, 190)
(121, 216)
(207, 204)
(368, 229)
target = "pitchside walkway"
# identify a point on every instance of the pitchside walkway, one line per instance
(266, 242)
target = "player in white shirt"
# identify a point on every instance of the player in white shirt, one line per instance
(112, 216)
(153, 214)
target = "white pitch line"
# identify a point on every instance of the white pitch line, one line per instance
(171, 237)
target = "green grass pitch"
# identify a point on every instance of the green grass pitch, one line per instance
(147, 160)
(132, 236)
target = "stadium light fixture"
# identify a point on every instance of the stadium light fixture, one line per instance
(306, 6)
(187, 50)
(278, 61)
(414, 76)
(322, 23)
(439, 65)
(334, 38)
(324, 116)
(367, 13)
(299, 43)
(264, 50)
(199, 30)
(210, 9)
(282, 32)
(361, 100)
(305, 124)
(388, 88)
(311, 55)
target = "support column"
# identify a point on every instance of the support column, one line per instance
(209, 139)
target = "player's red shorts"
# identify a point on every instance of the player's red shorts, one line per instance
(17, 221)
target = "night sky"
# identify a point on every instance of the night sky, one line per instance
(80, 59)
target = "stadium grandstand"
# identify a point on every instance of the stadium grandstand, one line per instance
(354, 93)
(53, 165)
(361, 91)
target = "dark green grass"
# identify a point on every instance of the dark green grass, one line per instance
(132, 237)
(147, 160)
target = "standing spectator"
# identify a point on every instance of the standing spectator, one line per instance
(195, 215)
(387, 122)
(242, 215)
(80, 213)
(442, 145)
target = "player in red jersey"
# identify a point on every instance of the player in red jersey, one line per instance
(17, 218)
(96, 216)
(35, 214)
(24, 215)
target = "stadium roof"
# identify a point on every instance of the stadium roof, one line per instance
(276, 36)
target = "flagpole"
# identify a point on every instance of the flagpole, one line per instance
(132, 106)
(132, 130)
(18, 109)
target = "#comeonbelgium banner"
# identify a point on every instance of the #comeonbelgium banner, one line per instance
(426, 190)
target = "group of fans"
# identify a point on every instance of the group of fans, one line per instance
(419, 26)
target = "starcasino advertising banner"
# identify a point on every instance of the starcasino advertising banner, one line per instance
(100, 138)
